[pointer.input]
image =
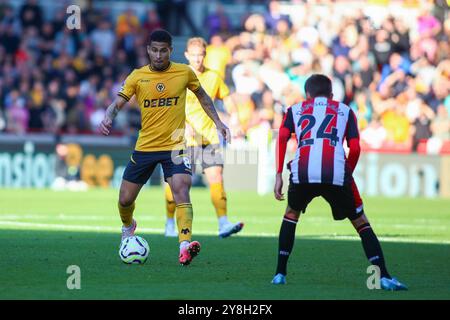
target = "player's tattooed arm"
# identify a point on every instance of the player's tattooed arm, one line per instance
(208, 105)
(110, 114)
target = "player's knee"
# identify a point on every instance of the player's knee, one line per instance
(360, 221)
(215, 178)
(291, 213)
(214, 174)
(125, 200)
(181, 197)
(181, 186)
(180, 192)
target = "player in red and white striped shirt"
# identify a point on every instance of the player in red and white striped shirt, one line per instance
(321, 168)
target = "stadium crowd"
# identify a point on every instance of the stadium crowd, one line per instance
(395, 75)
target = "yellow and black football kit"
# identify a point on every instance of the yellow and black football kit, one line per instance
(204, 143)
(204, 128)
(161, 96)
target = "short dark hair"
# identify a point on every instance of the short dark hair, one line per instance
(160, 35)
(318, 85)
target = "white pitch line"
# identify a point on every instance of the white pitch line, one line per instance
(65, 217)
(63, 227)
(382, 238)
(435, 225)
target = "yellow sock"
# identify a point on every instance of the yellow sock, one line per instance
(184, 221)
(219, 199)
(126, 214)
(170, 203)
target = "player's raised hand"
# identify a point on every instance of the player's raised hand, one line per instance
(105, 126)
(278, 190)
(225, 132)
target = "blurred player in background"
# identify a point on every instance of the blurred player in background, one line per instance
(320, 168)
(203, 141)
(160, 90)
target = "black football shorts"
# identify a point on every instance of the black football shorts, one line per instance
(343, 201)
(142, 164)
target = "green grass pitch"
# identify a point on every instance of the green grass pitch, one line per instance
(43, 232)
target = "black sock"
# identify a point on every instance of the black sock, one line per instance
(372, 248)
(285, 243)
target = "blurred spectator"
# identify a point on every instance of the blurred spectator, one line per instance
(428, 25)
(245, 78)
(8, 39)
(363, 75)
(91, 16)
(59, 20)
(65, 42)
(217, 21)
(134, 119)
(362, 108)
(440, 125)
(397, 63)
(440, 128)
(163, 8)
(4, 7)
(103, 38)
(9, 18)
(342, 72)
(339, 45)
(396, 123)
(76, 119)
(393, 71)
(382, 48)
(255, 23)
(2, 121)
(37, 107)
(269, 110)
(151, 22)
(374, 135)
(180, 8)
(421, 130)
(274, 15)
(400, 37)
(127, 23)
(31, 14)
(47, 38)
(218, 55)
(273, 76)
(437, 94)
(17, 115)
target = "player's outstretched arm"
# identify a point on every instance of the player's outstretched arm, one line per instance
(208, 105)
(111, 113)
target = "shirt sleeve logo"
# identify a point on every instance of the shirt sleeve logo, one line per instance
(160, 87)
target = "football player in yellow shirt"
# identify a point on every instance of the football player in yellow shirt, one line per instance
(160, 89)
(203, 141)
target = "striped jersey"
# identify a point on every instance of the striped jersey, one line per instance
(320, 125)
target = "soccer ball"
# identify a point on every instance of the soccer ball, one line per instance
(134, 250)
